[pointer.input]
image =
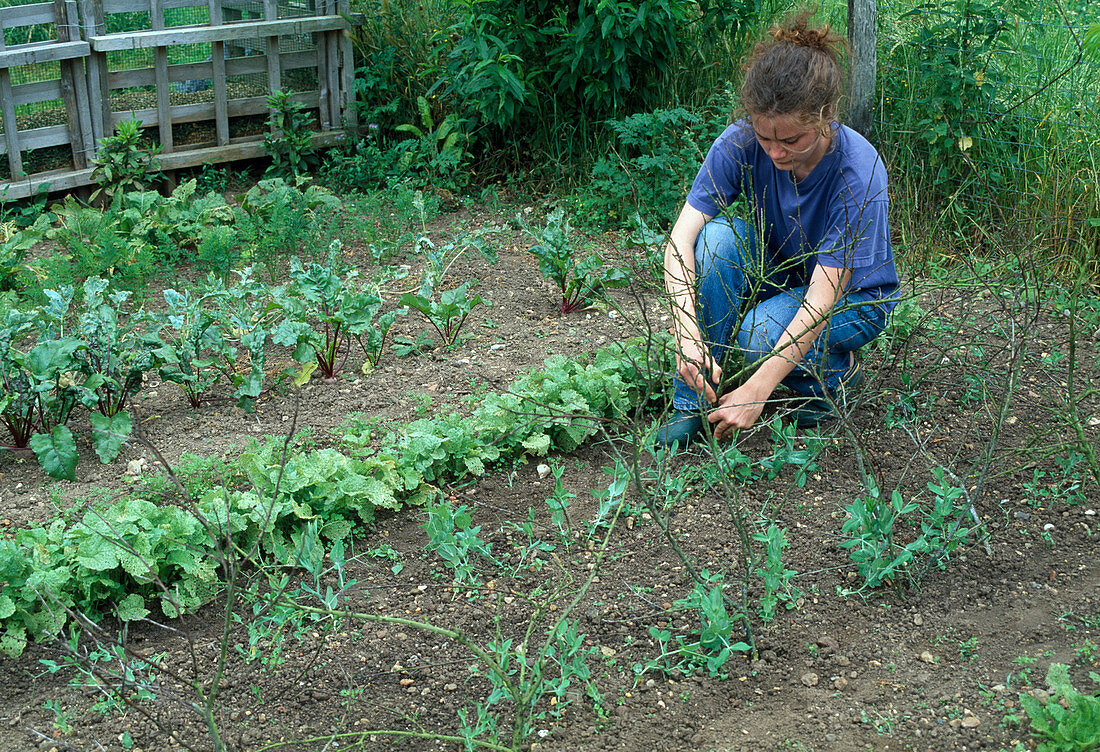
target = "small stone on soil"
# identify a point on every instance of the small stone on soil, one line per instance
(810, 679)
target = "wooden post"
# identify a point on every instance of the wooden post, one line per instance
(11, 128)
(99, 103)
(160, 68)
(80, 84)
(68, 91)
(321, 40)
(217, 56)
(347, 80)
(332, 68)
(863, 36)
(274, 62)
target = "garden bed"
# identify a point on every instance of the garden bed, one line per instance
(935, 667)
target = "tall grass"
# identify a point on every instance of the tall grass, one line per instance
(1017, 162)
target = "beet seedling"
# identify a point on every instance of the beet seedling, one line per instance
(449, 313)
(579, 281)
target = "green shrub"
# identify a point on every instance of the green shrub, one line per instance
(521, 65)
(290, 145)
(124, 163)
(656, 156)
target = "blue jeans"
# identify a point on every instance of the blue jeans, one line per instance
(734, 273)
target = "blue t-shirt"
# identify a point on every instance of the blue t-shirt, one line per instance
(836, 216)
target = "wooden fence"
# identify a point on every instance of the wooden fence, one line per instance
(206, 108)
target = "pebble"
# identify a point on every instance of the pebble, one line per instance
(971, 721)
(926, 657)
(1048, 527)
(450, 687)
(1090, 512)
(498, 346)
(918, 620)
(810, 679)
(1022, 516)
(840, 683)
(543, 470)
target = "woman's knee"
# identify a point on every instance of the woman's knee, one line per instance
(723, 241)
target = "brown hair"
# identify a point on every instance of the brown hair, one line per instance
(799, 72)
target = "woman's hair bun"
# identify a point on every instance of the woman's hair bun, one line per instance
(815, 39)
(798, 31)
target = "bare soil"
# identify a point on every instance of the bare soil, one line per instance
(938, 667)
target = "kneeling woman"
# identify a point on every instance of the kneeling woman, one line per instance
(808, 276)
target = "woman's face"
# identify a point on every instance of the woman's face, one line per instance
(791, 144)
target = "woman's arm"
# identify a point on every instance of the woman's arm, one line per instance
(741, 407)
(694, 363)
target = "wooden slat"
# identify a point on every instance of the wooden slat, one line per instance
(68, 92)
(188, 71)
(139, 6)
(67, 180)
(30, 54)
(7, 114)
(27, 15)
(217, 56)
(198, 34)
(39, 91)
(160, 66)
(39, 138)
(195, 113)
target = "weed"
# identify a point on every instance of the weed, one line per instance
(61, 720)
(452, 535)
(124, 163)
(290, 144)
(436, 155)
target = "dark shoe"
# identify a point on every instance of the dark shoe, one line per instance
(853, 379)
(816, 411)
(680, 429)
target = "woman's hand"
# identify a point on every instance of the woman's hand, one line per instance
(697, 367)
(737, 410)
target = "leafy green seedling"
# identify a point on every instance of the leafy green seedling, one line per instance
(187, 344)
(449, 313)
(1069, 721)
(579, 281)
(325, 309)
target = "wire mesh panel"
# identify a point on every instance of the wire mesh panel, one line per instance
(991, 107)
(39, 114)
(196, 73)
